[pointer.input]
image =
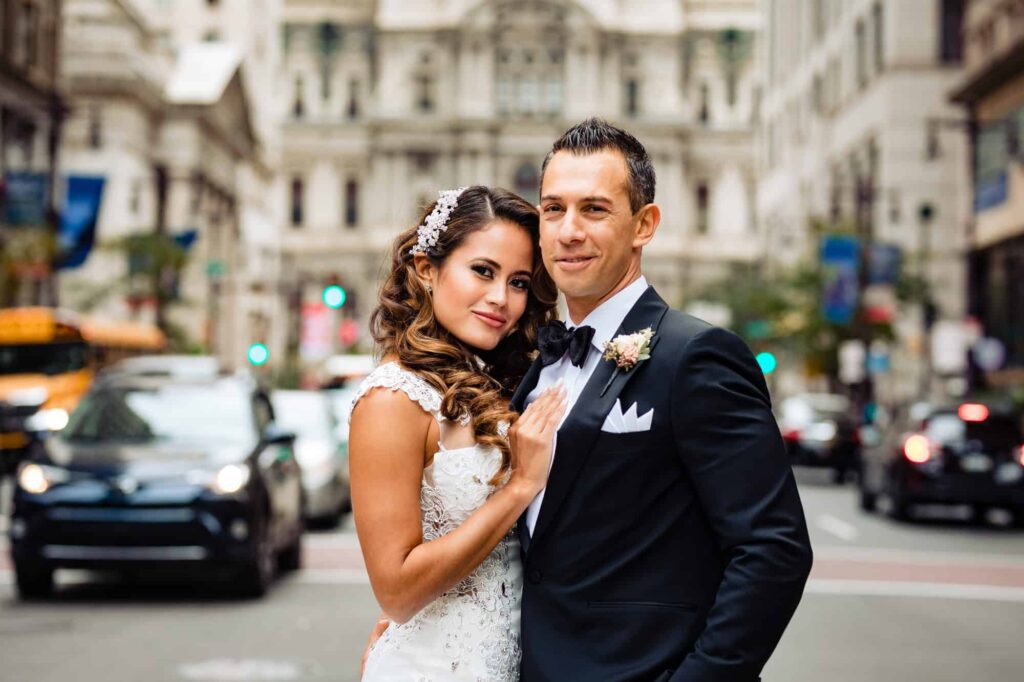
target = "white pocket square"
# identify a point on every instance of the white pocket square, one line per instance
(618, 421)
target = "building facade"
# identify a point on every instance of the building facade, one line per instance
(857, 133)
(384, 102)
(165, 133)
(30, 117)
(992, 92)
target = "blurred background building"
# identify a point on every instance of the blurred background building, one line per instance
(30, 118)
(992, 92)
(857, 135)
(385, 102)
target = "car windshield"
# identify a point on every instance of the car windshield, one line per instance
(305, 414)
(995, 433)
(50, 359)
(211, 413)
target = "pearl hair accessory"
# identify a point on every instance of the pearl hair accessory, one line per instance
(437, 221)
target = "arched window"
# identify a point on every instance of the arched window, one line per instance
(530, 59)
(527, 181)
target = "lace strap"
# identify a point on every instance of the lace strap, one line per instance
(393, 376)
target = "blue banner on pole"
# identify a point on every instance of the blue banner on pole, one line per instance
(25, 198)
(884, 264)
(839, 261)
(78, 220)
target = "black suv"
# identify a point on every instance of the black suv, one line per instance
(972, 453)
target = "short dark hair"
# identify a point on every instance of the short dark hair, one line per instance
(594, 135)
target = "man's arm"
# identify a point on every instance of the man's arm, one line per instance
(729, 442)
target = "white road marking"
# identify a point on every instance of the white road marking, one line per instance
(883, 588)
(912, 556)
(836, 526)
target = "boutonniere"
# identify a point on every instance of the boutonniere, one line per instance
(627, 351)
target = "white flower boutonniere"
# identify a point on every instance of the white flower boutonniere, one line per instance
(628, 350)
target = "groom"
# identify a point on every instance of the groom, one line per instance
(670, 543)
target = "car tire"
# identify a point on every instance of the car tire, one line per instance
(290, 558)
(898, 509)
(868, 500)
(257, 574)
(34, 580)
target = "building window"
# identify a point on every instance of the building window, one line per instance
(212, 3)
(298, 105)
(423, 162)
(878, 37)
(424, 93)
(632, 97)
(197, 193)
(527, 181)
(95, 128)
(296, 201)
(530, 67)
(951, 48)
(702, 208)
(135, 197)
(817, 95)
(351, 203)
(353, 99)
(861, 54)
(211, 36)
(26, 29)
(704, 115)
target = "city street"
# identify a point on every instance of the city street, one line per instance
(936, 600)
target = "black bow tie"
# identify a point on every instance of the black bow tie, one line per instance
(554, 339)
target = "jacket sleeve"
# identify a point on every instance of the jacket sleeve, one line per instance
(729, 443)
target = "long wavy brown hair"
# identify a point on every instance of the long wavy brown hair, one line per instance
(404, 326)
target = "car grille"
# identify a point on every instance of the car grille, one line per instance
(126, 527)
(12, 417)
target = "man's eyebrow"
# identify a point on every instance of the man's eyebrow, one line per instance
(593, 199)
(551, 197)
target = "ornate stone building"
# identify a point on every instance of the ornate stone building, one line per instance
(384, 102)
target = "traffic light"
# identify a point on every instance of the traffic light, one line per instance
(334, 296)
(767, 362)
(258, 354)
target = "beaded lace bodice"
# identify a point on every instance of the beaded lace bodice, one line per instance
(471, 632)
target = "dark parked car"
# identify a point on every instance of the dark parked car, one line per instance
(161, 470)
(971, 454)
(821, 430)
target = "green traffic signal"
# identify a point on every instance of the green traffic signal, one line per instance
(334, 296)
(258, 354)
(767, 362)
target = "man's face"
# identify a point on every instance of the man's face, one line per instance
(590, 239)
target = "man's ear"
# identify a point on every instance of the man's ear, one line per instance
(648, 219)
(425, 270)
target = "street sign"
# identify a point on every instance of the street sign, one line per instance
(839, 261)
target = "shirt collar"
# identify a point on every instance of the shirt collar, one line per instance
(607, 317)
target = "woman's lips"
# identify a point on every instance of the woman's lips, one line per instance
(491, 320)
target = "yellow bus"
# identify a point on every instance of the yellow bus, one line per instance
(48, 358)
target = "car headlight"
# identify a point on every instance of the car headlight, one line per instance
(230, 479)
(53, 419)
(38, 478)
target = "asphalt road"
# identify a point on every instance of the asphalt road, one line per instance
(935, 600)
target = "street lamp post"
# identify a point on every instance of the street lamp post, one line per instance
(925, 215)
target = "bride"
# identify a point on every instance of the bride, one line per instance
(438, 478)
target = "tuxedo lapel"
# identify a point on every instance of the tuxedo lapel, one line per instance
(581, 428)
(526, 385)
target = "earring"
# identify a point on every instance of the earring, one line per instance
(430, 290)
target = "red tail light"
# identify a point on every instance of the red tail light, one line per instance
(972, 412)
(791, 435)
(1020, 455)
(917, 449)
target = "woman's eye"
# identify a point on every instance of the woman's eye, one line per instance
(483, 271)
(521, 284)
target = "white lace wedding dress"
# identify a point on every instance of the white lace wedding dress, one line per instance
(471, 632)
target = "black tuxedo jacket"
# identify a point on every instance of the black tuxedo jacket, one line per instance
(678, 553)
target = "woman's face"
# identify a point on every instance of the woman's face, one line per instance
(481, 289)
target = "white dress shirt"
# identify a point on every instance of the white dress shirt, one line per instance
(605, 319)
